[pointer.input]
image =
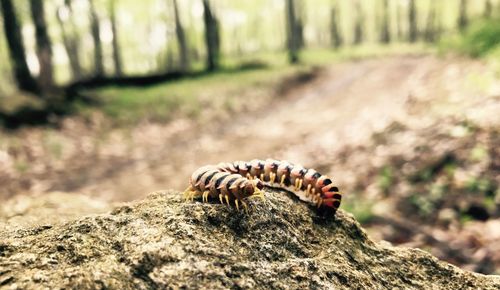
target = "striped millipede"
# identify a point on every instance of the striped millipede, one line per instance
(238, 181)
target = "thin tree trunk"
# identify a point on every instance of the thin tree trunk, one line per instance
(116, 47)
(399, 25)
(22, 74)
(181, 39)
(430, 29)
(299, 23)
(336, 37)
(170, 60)
(488, 7)
(299, 28)
(412, 21)
(385, 36)
(95, 30)
(212, 38)
(70, 41)
(463, 20)
(43, 45)
(292, 37)
(358, 25)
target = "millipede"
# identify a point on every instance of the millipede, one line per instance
(239, 181)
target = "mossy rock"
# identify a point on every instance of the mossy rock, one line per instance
(164, 242)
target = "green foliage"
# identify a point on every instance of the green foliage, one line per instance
(361, 208)
(423, 203)
(385, 179)
(480, 185)
(186, 97)
(481, 38)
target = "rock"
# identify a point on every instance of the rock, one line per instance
(163, 242)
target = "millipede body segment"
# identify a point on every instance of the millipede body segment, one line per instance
(239, 181)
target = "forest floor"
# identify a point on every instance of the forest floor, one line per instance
(403, 136)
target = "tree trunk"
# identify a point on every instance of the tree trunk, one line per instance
(488, 7)
(399, 25)
(212, 39)
(463, 21)
(299, 31)
(70, 40)
(22, 74)
(293, 41)
(385, 36)
(299, 10)
(95, 30)
(412, 22)
(116, 47)
(181, 39)
(336, 37)
(358, 25)
(43, 46)
(430, 29)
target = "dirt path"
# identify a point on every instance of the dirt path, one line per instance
(344, 105)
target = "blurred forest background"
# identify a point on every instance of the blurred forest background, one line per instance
(398, 100)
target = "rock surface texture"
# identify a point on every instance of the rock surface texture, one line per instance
(163, 242)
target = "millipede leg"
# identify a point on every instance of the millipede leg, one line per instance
(187, 192)
(262, 176)
(220, 198)
(308, 191)
(298, 183)
(236, 203)
(258, 193)
(282, 182)
(205, 196)
(272, 177)
(249, 176)
(320, 200)
(227, 199)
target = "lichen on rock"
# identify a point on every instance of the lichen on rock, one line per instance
(164, 242)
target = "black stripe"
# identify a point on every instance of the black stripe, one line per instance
(200, 175)
(303, 172)
(219, 181)
(207, 181)
(316, 175)
(230, 182)
(336, 204)
(334, 189)
(327, 181)
(337, 196)
(261, 165)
